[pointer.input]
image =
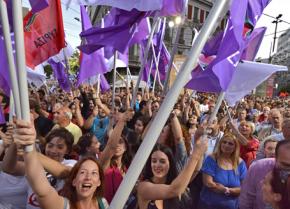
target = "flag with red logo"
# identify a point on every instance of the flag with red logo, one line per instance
(43, 34)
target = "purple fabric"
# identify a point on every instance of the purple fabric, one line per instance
(38, 5)
(163, 62)
(253, 44)
(10, 17)
(2, 117)
(105, 86)
(251, 191)
(173, 7)
(60, 74)
(212, 46)
(5, 84)
(90, 64)
(109, 53)
(162, 7)
(255, 10)
(119, 36)
(141, 5)
(218, 74)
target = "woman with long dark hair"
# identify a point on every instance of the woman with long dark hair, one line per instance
(162, 185)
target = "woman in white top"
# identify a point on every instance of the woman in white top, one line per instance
(83, 188)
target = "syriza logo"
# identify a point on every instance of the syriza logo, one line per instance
(30, 22)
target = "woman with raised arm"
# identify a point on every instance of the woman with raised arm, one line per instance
(83, 188)
(162, 184)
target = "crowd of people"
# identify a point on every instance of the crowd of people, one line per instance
(79, 146)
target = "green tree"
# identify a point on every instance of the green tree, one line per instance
(74, 64)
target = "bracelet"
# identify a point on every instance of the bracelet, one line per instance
(29, 148)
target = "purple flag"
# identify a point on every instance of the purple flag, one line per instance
(255, 10)
(90, 64)
(163, 7)
(163, 62)
(217, 76)
(212, 46)
(159, 36)
(2, 116)
(38, 5)
(173, 7)
(10, 17)
(118, 36)
(248, 76)
(60, 74)
(5, 84)
(105, 86)
(253, 44)
(141, 5)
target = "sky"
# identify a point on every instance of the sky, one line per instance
(276, 7)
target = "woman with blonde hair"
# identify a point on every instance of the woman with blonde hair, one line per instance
(249, 144)
(222, 173)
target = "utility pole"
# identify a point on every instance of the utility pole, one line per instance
(276, 21)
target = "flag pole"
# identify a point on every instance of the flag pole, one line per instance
(173, 52)
(12, 70)
(98, 85)
(20, 58)
(148, 76)
(128, 82)
(144, 61)
(160, 119)
(217, 106)
(156, 60)
(114, 80)
(11, 107)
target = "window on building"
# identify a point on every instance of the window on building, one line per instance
(195, 14)
(201, 18)
(189, 12)
(181, 37)
(206, 14)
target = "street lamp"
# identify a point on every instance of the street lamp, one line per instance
(177, 20)
(171, 24)
(276, 21)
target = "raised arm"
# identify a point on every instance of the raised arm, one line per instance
(102, 106)
(10, 163)
(243, 140)
(47, 196)
(149, 191)
(89, 122)
(53, 167)
(114, 138)
(78, 114)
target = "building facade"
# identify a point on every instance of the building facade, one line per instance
(282, 57)
(197, 12)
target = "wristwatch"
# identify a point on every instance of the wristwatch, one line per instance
(227, 192)
(29, 148)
